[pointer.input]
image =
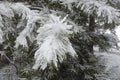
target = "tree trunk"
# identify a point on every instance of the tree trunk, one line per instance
(91, 30)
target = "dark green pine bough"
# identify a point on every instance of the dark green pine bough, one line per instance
(48, 45)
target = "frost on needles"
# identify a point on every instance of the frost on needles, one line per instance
(100, 8)
(52, 37)
(53, 43)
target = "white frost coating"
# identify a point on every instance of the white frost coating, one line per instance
(26, 14)
(53, 43)
(1, 36)
(21, 10)
(69, 1)
(21, 40)
(111, 61)
(101, 9)
(98, 7)
(6, 10)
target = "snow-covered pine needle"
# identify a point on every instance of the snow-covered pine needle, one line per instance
(53, 43)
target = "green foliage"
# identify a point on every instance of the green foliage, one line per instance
(81, 68)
